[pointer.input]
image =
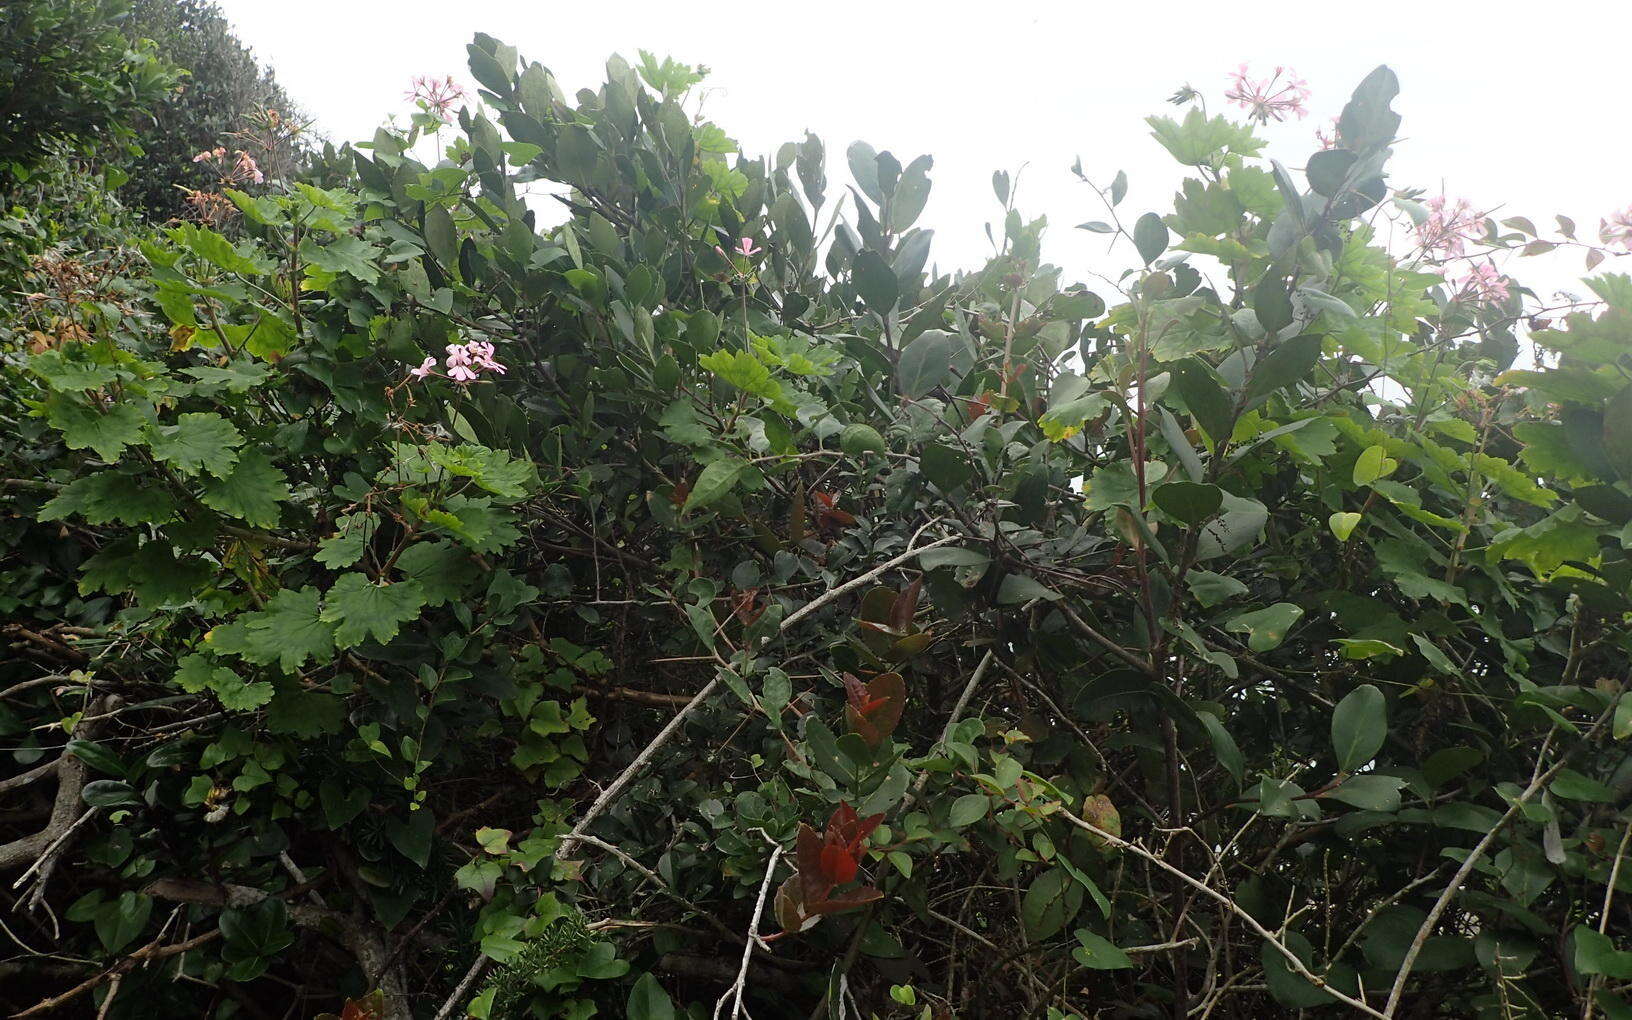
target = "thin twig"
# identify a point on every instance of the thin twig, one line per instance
(753, 937)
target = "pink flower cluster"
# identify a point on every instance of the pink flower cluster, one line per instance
(1449, 226)
(1617, 229)
(1482, 286)
(463, 363)
(1328, 141)
(244, 169)
(436, 95)
(1273, 98)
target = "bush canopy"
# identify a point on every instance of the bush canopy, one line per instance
(559, 565)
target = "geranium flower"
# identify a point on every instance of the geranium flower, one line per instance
(436, 95)
(1483, 285)
(1617, 229)
(245, 167)
(482, 354)
(426, 369)
(1270, 99)
(1449, 226)
(744, 247)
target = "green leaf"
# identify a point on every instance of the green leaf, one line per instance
(1372, 464)
(1328, 171)
(87, 428)
(1098, 953)
(1051, 902)
(1343, 525)
(412, 837)
(1287, 364)
(1224, 745)
(714, 483)
(863, 159)
(289, 630)
(1266, 628)
(1150, 237)
(120, 921)
(1618, 432)
(251, 491)
(346, 545)
(1272, 302)
(1596, 954)
(876, 282)
(746, 372)
(1239, 526)
(1189, 502)
(1018, 589)
(347, 254)
(109, 496)
(1212, 589)
(305, 714)
(859, 439)
(441, 569)
(1572, 785)
(361, 609)
(1370, 792)
(947, 468)
(198, 441)
(341, 803)
(648, 1001)
(1367, 123)
(952, 556)
(1359, 727)
(968, 809)
(1203, 398)
(925, 363)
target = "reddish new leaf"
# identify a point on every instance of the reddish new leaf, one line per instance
(906, 606)
(873, 711)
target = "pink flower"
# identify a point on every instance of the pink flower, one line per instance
(245, 168)
(437, 96)
(1328, 141)
(744, 247)
(1617, 229)
(1482, 286)
(1449, 226)
(426, 369)
(1270, 99)
(466, 361)
(482, 353)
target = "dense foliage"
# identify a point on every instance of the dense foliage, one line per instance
(586, 570)
(225, 98)
(68, 75)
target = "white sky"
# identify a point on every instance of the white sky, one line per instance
(1522, 106)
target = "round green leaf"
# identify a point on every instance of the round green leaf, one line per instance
(1190, 502)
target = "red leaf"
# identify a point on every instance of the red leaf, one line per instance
(745, 604)
(369, 1007)
(847, 828)
(846, 901)
(808, 850)
(874, 711)
(906, 606)
(838, 866)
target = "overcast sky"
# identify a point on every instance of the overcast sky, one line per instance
(1518, 106)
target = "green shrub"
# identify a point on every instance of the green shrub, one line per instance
(68, 76)
(431, 593)
(225, 98)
